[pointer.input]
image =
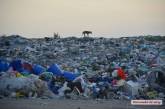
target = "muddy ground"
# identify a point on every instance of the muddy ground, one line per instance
(70, 104)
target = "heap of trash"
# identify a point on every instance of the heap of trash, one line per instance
(77, 68)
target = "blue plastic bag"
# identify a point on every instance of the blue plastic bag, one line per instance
(38, 69)
(55, 69)
(4, 66)
(69, 76)
(53, 87)
(17, 65)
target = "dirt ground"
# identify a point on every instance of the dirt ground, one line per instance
(70, 104)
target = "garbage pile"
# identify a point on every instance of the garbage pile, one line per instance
(106, 68)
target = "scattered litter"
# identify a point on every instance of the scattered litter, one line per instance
(76, 68)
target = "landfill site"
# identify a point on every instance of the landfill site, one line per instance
(81, 73)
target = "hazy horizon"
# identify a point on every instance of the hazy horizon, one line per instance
(105, 18)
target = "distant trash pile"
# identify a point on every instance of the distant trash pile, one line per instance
(21, 79)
